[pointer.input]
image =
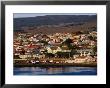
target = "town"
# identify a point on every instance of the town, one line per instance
(58, 48)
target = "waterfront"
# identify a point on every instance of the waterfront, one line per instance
(55, 70)
(55, 45)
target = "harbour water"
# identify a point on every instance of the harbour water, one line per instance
(55, 71)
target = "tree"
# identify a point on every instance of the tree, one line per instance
(90, 37)
(63, 54)
(44, 42)
(16, 57)
(93, 38)
(68, 41)
(79, 32)
(95, 49)
(49, 55)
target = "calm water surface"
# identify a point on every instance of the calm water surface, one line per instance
(55, 71)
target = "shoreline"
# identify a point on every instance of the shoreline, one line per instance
(57, 65)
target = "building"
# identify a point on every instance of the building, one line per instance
(80, 59)
(56, 49)
(84, 52)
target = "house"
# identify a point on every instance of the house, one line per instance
(84, 52)
(93, 33)
(30, 56)
(76, 36)
(41, 56)
(65, 49)
(80, 59)
(76, 55)
(69, 61)
(53, 49)
(16, 53)
(25, 56)
(92, 43)
(42, 50)
(56, 40)
(56, 49)
(90, 59)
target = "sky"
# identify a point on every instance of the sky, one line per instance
(22, 15)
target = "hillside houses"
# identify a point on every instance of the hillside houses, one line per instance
(78, 47)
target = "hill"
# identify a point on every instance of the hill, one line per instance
(52, 20)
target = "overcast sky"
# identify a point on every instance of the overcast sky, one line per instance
(20, 15)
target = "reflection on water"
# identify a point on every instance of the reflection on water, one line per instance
(55, 71)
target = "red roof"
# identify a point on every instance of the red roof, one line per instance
(32, 46)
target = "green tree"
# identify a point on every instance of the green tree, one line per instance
(68, 41)
(16, 57)
(44, 42)
(95, 49)
(93, 38)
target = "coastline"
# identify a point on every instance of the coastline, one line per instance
(57, 65)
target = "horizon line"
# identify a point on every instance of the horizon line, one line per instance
(26, 15)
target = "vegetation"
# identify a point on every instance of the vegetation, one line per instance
(44, 42)
(95, 49)
(49, 55)
(63, 54)
(16, 57)
(92, 38)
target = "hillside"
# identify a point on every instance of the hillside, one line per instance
(50, 21)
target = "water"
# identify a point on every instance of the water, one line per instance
(55, 71)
